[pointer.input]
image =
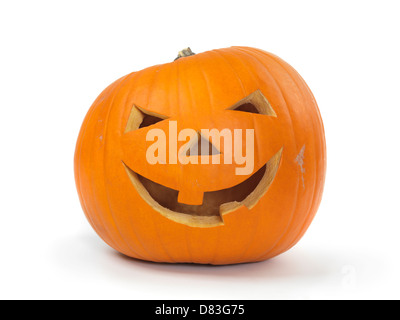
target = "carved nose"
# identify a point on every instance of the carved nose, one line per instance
(201, 146)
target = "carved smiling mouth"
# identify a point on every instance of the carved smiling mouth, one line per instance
(215, 204)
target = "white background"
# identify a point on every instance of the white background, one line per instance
(57, 56)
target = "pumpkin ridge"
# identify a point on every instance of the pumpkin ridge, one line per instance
(294, 82)
(225, 53)
(255, 57)
(220, 53)
(238, 52)
(111, 107)
(308, 217)
(168, 67)
(255, 92)
(149, 96)
(179, 106)
(218, 236)
(205, 78)
(109, 239)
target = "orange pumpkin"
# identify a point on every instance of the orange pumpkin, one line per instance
(203, 211)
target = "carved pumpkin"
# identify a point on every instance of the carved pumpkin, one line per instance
(203, 209)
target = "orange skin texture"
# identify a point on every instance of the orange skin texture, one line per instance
(195, 91)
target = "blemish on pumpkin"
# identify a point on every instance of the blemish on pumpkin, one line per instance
(300, 161)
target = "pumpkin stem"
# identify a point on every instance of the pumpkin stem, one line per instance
(185, 53)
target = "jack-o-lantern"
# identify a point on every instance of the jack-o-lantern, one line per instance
(215, 158)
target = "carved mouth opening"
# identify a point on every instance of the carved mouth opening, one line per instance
(215, 204)
(212, 201)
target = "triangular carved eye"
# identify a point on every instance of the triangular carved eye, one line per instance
(247, 107)
(140, 118)
(254, 103)
(149, 120)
